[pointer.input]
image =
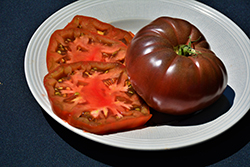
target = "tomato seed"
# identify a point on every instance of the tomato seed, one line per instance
(100, 32)
(115, 53)
(128, 83)
(79, 26)
(57, 93)
(87, 73)
(105, 54)
(62, 61)
(67, 40)
(130, 92)
(138, 109)
(61, 47)
(94, 69)
(107, 83)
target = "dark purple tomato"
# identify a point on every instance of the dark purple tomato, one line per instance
(171, 66)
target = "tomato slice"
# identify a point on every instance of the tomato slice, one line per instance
(97, 26)
(96, 97)
(73, 45)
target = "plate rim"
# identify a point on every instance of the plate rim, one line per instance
(98, 138)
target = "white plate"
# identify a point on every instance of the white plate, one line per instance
(227, 40)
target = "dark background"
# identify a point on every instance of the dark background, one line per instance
(29, 137)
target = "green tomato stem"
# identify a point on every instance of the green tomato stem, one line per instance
(186, 50)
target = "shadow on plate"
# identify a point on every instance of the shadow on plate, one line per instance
(221, 106)
(202, 154)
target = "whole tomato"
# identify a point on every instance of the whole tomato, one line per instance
(171, 67)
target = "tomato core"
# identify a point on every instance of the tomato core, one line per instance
(97, 93)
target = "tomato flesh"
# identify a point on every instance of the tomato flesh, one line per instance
(73, 45)
(96, 97)
(99, 27)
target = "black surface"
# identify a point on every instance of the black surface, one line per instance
(30, 137)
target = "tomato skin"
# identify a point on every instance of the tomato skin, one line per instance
(125, 123)
(97, 26)
(94, 96)
(172, 83)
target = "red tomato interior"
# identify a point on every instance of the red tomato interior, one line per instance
(89, 94)
(74, 45)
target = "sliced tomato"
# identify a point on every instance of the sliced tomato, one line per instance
(97, 26)
(73, 45)
(96, 97)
